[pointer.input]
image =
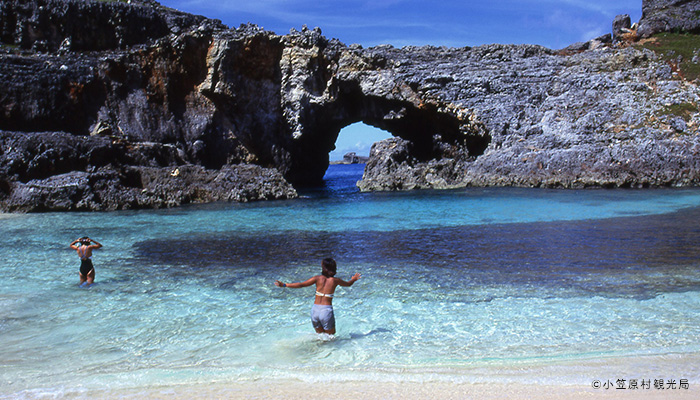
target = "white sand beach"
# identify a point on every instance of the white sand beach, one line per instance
(293, 390)
(594, 379)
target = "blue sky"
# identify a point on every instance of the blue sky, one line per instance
(550, 23)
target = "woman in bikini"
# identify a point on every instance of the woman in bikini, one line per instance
(322, 317)
(84, 247)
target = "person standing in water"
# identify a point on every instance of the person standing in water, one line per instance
(84, 246)
(322, 317)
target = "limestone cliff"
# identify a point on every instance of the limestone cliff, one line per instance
(669, 16)
(112, 105)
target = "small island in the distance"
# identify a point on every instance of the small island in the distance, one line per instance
(351, 158)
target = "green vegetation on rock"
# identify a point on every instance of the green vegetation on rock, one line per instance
(683, 110)
(672, 45)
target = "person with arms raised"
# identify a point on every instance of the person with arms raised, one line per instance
(322, 317)
(84, 246)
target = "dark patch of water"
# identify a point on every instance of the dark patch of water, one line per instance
(629, 256)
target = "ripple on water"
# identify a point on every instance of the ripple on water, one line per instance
(187, 295)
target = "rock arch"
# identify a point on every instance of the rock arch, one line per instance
(202, 112)
(434, 130)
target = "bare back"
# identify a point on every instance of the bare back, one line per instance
(325, 285)
(85, 252)
(84, 248)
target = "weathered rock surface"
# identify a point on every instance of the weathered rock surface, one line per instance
(621, 25)
(124, 116)
(109, 101)
(669, 16)
(61, 172)
(53, 25)
(596, 118)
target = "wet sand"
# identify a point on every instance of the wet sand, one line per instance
(594, 378)
(293, 390)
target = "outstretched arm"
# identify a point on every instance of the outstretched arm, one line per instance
(296, 285)
(352, 280)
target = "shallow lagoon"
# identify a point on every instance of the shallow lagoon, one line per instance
(473, 285)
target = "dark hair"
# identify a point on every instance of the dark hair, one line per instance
(328, 267)
(84, 240)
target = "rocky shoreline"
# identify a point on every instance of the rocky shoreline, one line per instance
(113, 105)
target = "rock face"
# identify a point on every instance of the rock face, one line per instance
(61, 172)
(596, 118)
(100, 98)
(52, 25)
(621, 24)
(669, 16)
(109, 105)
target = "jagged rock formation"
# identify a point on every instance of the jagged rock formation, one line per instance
(669, 16)
(63, 172)
(621, 24)
(101, 97)
(591, 119)
(100, 111)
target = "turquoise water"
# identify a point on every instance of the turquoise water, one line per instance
(471, 285)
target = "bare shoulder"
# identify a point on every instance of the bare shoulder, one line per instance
(313, 279)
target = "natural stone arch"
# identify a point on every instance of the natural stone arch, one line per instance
(94, 121)
(434, 133)
(326, 86)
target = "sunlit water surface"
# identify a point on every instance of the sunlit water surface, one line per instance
(457, 286)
